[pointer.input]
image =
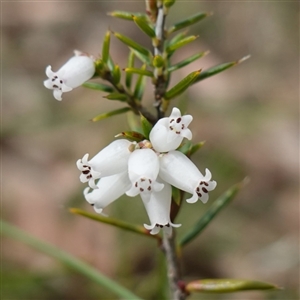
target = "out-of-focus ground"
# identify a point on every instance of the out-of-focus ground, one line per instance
(248, 116)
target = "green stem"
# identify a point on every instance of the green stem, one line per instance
(160, 84)
(137, 108)
(67, 259)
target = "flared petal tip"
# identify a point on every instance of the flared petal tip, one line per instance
(99, 211)
(207, 176)
(57, 94)
(155, 228)
(193, 199)
(82, 161)
(157, 187)
(83, 178)
(49, 71)
(152, 228)
(212, 185)
(187, 134)
(175, 113)
(132, 192)
(92, 184)
(48, 84)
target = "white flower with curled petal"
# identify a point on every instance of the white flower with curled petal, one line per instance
(109, 189)
(168, 133)
(178, 170)
(110, 160)
(77, 70)
(158, 210)
(143, 168)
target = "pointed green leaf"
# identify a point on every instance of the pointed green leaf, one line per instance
(227, 285)
(105, 47)
(114, 222)
(111, 113)
(181, 86)
(143, 58)
(179, 36)
(133, 136)
(116, 74)
(170, 49)
(98, 86)
(188, 22)
(134, 122)
(146, 126)
(116, 96)
(213, 210)
(186, 61)
(139, 71)
(132, 44)
(68, 260)
(195, 148)
(185, 148)
(144, 26)
(110, 64)
(130, 64)
(219, 68)
(125, 15)
(140, 86)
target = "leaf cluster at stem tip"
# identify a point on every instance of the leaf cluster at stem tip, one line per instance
(157, 64)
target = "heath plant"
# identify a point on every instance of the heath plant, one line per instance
(153, 160)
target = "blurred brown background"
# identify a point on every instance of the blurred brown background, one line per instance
(248, 116)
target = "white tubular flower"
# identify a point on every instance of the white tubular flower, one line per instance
(158, 209)
(111, 160)
(143, 168)
(72, 74)
(179, 171)
(168, 133)
(109, 189)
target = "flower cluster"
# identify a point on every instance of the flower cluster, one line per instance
(77, 70)
(148, 169)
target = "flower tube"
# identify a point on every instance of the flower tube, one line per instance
(179, 171)
(77, 70)
(143, 168)
(168, 133)
(110, 160)
(109, 189)
(158, 209)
